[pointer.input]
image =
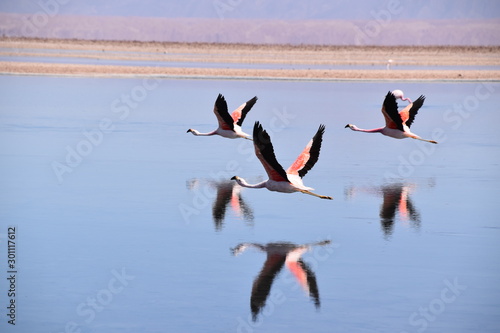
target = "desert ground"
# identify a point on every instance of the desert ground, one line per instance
(429, 60)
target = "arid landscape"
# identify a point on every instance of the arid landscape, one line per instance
(383, 62)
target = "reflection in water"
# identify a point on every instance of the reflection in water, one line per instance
(278, 255)
(228, 194)
(396, 201)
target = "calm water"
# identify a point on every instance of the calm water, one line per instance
(125, 223)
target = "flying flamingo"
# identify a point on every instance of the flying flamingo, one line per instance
(278, 255)
(280, 180)
(397, 124)
(229, 124)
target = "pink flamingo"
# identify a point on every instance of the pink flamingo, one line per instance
(229, 124)
(397, 124)
(280, 180)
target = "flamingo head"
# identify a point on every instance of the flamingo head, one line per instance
(400, 95)
(348, 126)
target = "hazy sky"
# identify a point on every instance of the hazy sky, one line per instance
(264, 9)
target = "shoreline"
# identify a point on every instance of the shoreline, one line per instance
(214, 56)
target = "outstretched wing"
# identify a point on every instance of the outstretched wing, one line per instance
(411, 110)
(265, 152)
(240, 113)
(390, 112)
(223, 116)
(309, 155)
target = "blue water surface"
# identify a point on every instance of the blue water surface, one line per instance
(126, 223)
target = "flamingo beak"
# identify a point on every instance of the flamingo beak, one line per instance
(234, 177)
(348, 125)
(189, 130)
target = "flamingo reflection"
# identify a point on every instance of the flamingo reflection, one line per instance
(396, 202)
(278, 255)
(227, 194)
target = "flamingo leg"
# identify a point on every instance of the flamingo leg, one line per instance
(419, 138)
(316, 195)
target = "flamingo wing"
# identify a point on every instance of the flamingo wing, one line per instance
(240, 113)
(391, 114)
(265, 152)
(413, 110)
(223, 116)
(309, 155)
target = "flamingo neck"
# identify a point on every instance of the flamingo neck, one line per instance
(375, 130)
(244, 183)
(195, 132)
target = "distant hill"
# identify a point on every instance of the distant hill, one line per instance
(381, 31)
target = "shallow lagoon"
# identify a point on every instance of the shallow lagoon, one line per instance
(125, 223)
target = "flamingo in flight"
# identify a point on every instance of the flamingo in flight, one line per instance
(288, 181)
(229, 124)
(397, 124)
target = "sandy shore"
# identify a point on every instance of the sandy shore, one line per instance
(216, 54)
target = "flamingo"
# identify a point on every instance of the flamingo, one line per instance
(389, 62)
(280, 180)
(229, 124)
(278, 255)
(397, 124)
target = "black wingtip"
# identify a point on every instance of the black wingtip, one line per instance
(314, 151)
(319, 133)
(257, 129)
(253, 100)
(220, 97)
(321, 129)
(260, 136)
